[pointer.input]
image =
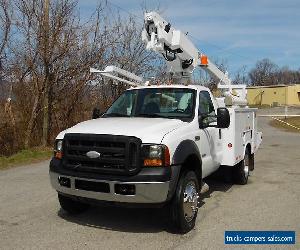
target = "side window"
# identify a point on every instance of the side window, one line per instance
(205, 104)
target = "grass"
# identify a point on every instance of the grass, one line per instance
(291, 120)
(25, 157)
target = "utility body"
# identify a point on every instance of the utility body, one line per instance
(156, 143)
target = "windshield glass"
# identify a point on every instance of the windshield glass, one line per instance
(173, 103)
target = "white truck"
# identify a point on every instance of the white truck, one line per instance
(156, 143)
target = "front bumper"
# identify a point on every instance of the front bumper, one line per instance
(145, 192)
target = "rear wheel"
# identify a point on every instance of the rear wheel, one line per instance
(241, 170)
(184, 205)
(71, 206)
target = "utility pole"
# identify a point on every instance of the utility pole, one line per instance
(46, 31)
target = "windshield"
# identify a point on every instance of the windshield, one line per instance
(173, 103)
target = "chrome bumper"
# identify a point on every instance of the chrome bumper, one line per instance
(146, 192)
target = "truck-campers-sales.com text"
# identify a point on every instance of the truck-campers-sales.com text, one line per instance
(251, 239)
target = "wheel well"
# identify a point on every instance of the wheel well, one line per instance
(193, 163)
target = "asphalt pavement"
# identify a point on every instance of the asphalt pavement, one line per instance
(30, 216)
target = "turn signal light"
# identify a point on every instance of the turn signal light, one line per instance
(153, 163)
(167, 157)
(58, 155)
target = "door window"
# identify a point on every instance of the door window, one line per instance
(205, 104)
(206, 107)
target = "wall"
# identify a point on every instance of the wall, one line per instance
(267, 96)
(293, 95)
(274, 95)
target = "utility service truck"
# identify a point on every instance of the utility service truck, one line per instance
(156, 143)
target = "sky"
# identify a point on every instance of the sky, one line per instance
(239, 32)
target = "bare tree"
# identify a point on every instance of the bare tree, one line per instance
(266, 72)
(53, 52)
(241, 76)
(263, 73)
(5, 26)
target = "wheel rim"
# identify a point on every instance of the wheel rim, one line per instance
(246, 165)
(190, 201)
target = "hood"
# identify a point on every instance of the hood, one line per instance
(149, 130)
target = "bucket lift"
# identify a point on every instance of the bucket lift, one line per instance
(182, 57)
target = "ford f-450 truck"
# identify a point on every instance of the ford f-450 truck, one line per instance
(156, 143)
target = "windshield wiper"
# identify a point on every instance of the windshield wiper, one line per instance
(115, 115)
(151, 115)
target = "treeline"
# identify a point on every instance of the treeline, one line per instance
(264, 73)
(267, 73)
(46, 49)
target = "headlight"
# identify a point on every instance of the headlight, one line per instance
(155, 155)
(58, 147)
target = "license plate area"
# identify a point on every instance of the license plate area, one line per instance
(101, 187)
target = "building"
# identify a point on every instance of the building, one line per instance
(274, 95)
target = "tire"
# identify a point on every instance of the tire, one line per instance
(72, 206)
(241, 170)
(251, 162)
(183, 211)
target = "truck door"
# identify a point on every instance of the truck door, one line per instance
(210, 141)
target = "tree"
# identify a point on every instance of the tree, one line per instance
(263, 73)
(241, 76)
(267, 73)
(52, 52)
(5, 27)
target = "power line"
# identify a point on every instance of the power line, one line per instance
(217, 47)
(191, 36)
(124, 10)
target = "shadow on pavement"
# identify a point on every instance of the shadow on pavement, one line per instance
(135, 220)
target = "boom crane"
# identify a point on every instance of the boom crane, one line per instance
(183, 57)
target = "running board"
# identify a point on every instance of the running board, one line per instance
(204, 188)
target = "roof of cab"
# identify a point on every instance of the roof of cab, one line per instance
(177, 86)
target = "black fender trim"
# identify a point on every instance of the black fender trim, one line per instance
(175, 173)
(185, 149)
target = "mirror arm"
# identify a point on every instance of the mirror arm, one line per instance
(212, 126)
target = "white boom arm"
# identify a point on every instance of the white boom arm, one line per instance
(183, 57)
(116, 73)
(179, 52)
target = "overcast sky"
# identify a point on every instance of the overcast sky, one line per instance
(237, 31)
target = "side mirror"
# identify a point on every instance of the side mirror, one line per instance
(223, 118)
(96, 113)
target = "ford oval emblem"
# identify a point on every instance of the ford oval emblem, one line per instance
(93, 154)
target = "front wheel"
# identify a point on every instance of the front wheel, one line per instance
(184, 205)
